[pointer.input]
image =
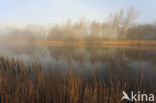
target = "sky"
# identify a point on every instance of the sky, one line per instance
(16, 12)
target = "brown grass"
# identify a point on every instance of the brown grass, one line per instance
(108, 43)
(20, 84)
(118, 44)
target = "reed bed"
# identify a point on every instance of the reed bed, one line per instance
(96, 42)
(29, 84)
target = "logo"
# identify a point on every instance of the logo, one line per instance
(137, 97)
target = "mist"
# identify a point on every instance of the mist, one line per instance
(121, 25)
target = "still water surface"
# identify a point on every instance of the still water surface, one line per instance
(122, 63)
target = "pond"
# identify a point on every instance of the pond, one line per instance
(126, 64)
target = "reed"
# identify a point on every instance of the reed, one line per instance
(20, 84)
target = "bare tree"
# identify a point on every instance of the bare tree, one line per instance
(95, 29)
(130, 17)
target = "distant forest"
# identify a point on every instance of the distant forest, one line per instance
(118, 26)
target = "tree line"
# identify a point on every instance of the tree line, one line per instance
(118, 26)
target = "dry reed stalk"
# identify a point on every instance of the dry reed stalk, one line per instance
(20, 84)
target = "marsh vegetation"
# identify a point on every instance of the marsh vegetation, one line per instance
(20, 84)
(78, 62)
(74, 74)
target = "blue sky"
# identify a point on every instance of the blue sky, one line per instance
(53, 11)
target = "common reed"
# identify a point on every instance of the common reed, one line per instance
(30, 84)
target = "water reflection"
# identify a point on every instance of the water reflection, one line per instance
(121, 62)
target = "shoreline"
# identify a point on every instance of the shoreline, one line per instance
(106, 43)
(133, 44)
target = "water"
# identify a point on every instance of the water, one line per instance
(122, 63)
